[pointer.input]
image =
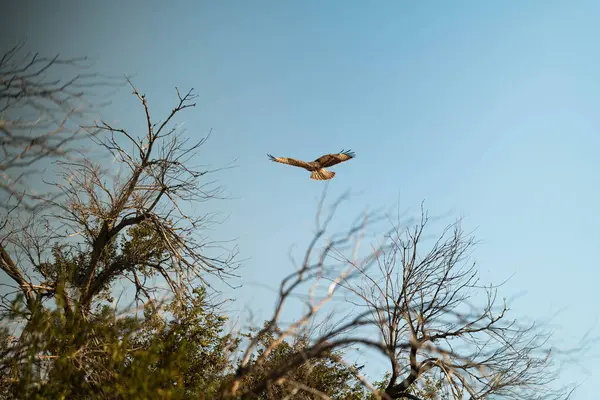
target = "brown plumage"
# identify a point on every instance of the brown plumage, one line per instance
(317, 167)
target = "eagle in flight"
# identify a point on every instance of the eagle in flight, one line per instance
(317, 167)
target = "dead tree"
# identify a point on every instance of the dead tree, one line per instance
(423, 305)
(133, 225)
(423, 302)
(39, 116)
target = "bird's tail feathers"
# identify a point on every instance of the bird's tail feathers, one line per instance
(322, 175)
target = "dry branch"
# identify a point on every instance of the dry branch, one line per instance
(40, 116)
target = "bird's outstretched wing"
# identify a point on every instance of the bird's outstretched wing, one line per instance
(290, 161)
(332, 159)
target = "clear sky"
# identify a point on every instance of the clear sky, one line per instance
(488, 110)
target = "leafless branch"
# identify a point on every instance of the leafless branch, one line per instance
(40, 116)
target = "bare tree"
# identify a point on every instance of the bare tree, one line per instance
(423, 303)
(425, 300)
(39, 116)
(132, 226)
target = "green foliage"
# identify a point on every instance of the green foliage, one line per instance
(194, 334)
(141, 246)
(180, 354)
(328, 375)
(426, 388)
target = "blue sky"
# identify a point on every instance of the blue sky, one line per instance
(485, 110)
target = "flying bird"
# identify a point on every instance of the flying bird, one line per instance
(317, 167)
